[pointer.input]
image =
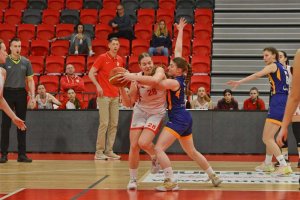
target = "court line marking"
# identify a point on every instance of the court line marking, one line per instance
(89, 188)
(12, 193)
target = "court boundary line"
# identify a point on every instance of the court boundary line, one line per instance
(89, 188)
(12, 193)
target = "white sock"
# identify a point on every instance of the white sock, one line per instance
(268, 159)
(133, 173)
(209, 171)
(168, 172)
(281, 160)
(285, 153)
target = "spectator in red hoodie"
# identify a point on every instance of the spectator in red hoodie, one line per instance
(71, 81)
(254, 102)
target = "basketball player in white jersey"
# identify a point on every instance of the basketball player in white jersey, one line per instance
(148, 113)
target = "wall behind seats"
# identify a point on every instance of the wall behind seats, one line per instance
(235, 132)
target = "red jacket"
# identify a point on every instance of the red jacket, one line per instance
(67, 82)
(256, 105)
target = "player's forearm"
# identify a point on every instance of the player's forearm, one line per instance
(252, 77)
(5, 107)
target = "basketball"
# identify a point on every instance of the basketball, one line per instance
(114, 76)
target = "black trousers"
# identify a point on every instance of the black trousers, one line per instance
(17, 100)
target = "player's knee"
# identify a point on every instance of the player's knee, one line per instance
(143, 144)
(192, 153)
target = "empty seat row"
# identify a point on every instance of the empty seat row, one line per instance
(90, 16)
(112, 4)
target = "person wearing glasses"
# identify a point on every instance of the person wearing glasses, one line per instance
(254, 102)
(122, 25)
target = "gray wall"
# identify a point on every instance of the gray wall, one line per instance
(235, 132)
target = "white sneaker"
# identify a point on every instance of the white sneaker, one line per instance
(265, 168)
(155, 166)
(132, 185)
(113, 156)
(100, 156)
(215, 180)
(168, 185)
(283, 171)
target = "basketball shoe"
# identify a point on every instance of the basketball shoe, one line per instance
(265, 168)
(283, 171)
(132, 185)
(168, 185)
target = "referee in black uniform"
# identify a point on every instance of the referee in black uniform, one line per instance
(18, 70)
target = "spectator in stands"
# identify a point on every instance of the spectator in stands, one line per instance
(80, 42)
(72, 102)
(203, 101)
(71, 80)
(254, 102)
(45, 100)
(93, 103)
(161, 42)
(121, 24)
(228, 102)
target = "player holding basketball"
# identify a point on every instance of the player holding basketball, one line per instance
(148, 113)
(278, 77)
(180, 121)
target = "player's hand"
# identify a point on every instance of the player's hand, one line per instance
(32, 103)
(182, 23)
(233, 84)
(282, 136)
(19, 123)
(128, 77)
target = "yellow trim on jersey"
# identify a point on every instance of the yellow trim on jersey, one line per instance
(15, 61)
(169, 100)
(272, 84)
(278, 74)
(274, 121)
(172, 132)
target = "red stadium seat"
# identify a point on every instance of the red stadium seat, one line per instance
(7, 32)
(74, 4)
(167, 4)
(78, 62)
(90, 62)
(139, 46)
(124, 47)
(25, 48)
(26, 31)
(99, 46)
(133, 64)
(200, 81)
(88, 85)
(12, 16)
(105, 15)
(37, 63)
(165, 14)
(201, 47)
(4, 4)
(162, 61)
(55, 65)
(36, 80)
(102, 31)
(110, 4)
(20, 4)
(45, 32)
(50, 16)
(60, 48)
(187, 32)
(203, 31)
(201, 64)
(56, 4)
(51, 83)
(64, 30)
(146, 16)
(186, 47)
(89, 16)
(39, 48)
(1, 16)
(143, 31)
(203, 16)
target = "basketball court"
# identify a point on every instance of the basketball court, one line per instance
(78, 176)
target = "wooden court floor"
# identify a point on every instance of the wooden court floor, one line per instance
(78, 176)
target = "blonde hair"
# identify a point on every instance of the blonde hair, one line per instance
(206, 97)
(158, 32)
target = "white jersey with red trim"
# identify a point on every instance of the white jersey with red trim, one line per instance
(151, 100)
